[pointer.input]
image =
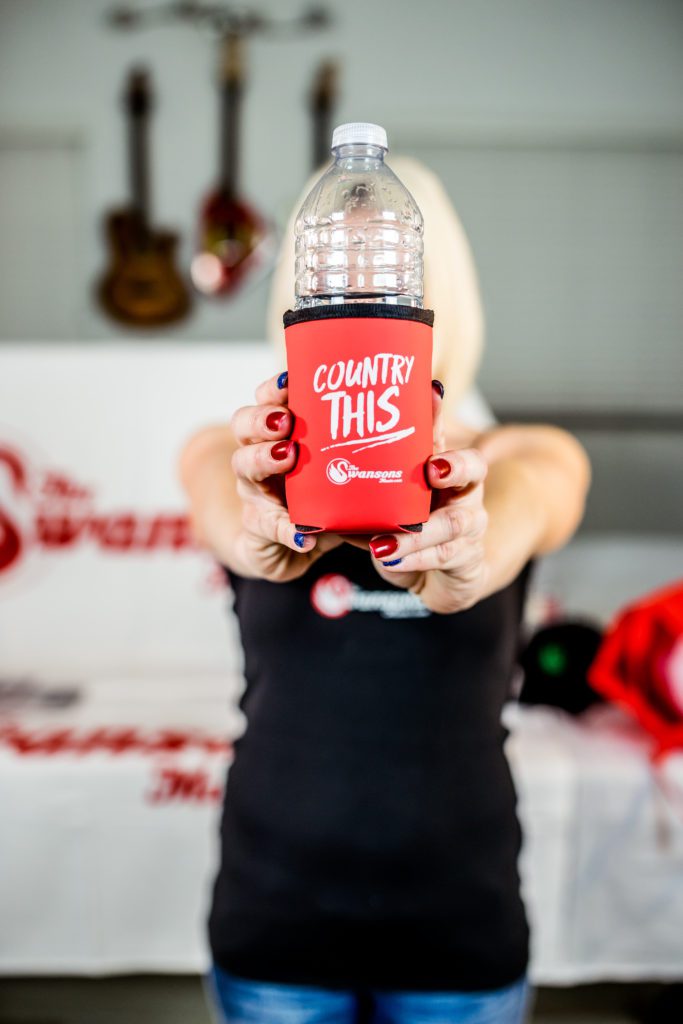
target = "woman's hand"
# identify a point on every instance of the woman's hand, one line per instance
(268, 545)
(241, 516)
(536, 483)
(445, 563)
(499, 499)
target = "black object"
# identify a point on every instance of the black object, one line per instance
(369, 831)
(366, 310)
(322, 102)
(555, 664)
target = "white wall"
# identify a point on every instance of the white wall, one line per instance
(485, 65)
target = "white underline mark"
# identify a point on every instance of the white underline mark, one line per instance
(372, 442)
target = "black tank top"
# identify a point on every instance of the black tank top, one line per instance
(369, 834)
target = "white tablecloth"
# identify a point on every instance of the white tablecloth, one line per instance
(602, 862)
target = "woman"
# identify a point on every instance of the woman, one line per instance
(370, 843)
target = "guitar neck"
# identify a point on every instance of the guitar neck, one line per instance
(229, 136)
(138, 102)
(322, 103)
(138, 164)
(231, 92)
(321, 136)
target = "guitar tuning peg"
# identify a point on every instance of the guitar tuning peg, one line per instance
(316, 17)
(253, 22)
(123, 17)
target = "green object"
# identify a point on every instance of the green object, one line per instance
(552, 659)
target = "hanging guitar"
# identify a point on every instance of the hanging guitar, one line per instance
(141, 286)
(234, 239)
(322, 101)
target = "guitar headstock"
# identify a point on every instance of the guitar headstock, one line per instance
(232, 59)
(322, 100)
(138, 96)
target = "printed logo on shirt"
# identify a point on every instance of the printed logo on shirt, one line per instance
(341, 471)
(334, 596)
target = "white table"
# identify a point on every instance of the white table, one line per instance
(602, 862)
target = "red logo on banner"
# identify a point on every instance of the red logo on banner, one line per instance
(51, 510)
(122, 739)
(10, 536)
(180, 785)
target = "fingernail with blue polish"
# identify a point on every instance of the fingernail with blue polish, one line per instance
(282, 380)
(299, 539)
(396, 561)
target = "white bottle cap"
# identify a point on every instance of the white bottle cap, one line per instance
(359, 133)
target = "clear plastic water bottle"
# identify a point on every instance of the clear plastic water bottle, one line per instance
(359, 232)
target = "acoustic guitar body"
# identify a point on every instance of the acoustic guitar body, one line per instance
(142, 286)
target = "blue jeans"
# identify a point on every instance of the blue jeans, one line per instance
(241, 1001)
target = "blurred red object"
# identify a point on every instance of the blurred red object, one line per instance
(231, 244)
(639, 665)
(234, 238)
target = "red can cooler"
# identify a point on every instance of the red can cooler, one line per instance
(360, 392)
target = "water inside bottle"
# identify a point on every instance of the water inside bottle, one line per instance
(359, 235)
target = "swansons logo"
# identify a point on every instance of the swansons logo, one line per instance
(341, 471)
(334, 596)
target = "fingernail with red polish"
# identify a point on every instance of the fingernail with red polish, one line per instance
(275, 421)
(382, 547)
(442, 467)
(438, 387)
(282, 450)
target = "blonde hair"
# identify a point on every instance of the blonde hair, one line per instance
(451, 288)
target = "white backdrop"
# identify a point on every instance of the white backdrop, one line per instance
(97, 432)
